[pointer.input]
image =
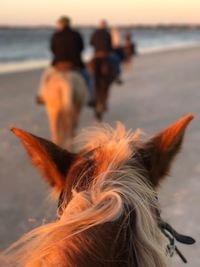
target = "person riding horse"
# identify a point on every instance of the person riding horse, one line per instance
(102, 67)
(117, 52)
(130, 48)
(64, 85)
(67, 46)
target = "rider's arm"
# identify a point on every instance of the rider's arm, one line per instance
(80, 42)
(109, 41)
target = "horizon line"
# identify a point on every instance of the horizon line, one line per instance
(172, 24)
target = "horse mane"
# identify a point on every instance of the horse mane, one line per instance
(113, 216)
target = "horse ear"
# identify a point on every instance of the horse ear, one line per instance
(53, 161)
(159, 152)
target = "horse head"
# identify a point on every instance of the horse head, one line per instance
(107, 211)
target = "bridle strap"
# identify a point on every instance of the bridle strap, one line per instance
(187, 240)
(172, 235)
(171, 247)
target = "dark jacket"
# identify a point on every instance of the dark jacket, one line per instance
(66, 46)
(101, 41)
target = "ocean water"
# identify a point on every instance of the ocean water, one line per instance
(28, 48)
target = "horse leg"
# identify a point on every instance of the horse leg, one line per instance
(53, 123)
(66, 129)
(60, 125)
(99, 104)
(105, 96)
(76, 115)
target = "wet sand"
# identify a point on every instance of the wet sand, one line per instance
(158, 90)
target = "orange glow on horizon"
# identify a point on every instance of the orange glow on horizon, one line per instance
(38, 12)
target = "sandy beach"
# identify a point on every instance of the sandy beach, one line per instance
(159, 89)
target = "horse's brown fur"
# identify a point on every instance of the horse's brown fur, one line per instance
(104, 75)
(107, 209)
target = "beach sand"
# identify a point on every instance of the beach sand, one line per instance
(158, 90)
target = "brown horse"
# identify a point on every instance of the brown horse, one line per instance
(104, 74)
(107, 212)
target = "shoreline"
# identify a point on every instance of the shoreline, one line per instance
(31, 65)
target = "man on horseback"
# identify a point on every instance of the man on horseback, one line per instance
(130, 48)
(101, 40)
(67, 46)
(63, 88)
(103, 67)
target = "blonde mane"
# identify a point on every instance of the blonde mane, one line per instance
(117, 190)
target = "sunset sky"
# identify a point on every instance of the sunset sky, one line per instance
(36, 12)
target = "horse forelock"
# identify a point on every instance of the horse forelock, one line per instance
(104, 150)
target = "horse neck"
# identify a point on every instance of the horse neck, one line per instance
(105, 245)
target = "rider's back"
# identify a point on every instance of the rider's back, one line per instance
(66, 46)
(101, 41)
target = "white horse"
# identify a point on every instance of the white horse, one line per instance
(64, 94)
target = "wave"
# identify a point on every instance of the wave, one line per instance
(12, 67)
(23, 65)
